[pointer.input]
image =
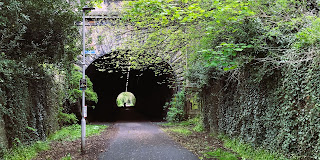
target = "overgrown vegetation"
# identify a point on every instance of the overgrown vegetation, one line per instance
(73, 132)
(246, 151)
(175, 107)
(38, 48)
(221, 155)
(69, 133)
(25, 152)
(231, 148)
(126, 98)
(255, 64)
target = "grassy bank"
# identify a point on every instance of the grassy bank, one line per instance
(206, 145)
(68, 133)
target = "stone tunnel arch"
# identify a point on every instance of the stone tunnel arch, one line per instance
(151, 91)
(103, 30)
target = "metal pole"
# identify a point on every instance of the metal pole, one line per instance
(83, 121)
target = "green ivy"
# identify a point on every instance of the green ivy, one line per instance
(271, 98)
(39, 45)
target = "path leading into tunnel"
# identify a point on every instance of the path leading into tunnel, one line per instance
(143, 140)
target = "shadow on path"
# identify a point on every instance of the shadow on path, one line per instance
(130, 114)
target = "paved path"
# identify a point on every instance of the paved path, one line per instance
(144, 141)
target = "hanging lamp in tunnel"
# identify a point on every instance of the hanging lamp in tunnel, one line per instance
(128, 74)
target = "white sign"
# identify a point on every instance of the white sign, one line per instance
(85, 110)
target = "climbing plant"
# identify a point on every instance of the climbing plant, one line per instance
(266, 99)
(255, 64)
(38, 46)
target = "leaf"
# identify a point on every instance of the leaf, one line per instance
(214, 63)
(238, 49)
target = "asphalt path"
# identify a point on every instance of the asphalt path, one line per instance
(144, 141)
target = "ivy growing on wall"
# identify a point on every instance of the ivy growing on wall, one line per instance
(271, 98)
(38, 46)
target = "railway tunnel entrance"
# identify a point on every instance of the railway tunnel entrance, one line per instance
(151, 90)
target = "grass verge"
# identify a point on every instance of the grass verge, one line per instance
(246, 151)
(230, 149)
(68, 133)
(221, 155)
(180, 130)
(73, 132)
(194, 124)
(26, 152)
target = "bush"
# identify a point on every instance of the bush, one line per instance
(66, 119)
(175, 107)
(174, 114)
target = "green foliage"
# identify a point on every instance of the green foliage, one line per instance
(248, 152)
(67, 133)
(126, 97)
(175, 107)
(66, 118)
(223, 55)
(189, 122)
(195, 123)
(45, 42)
(270, 98)
(221, 155)
(73, 132)
(309, 35)
(174, 114)
(160, 25)
(68, 157)
(39, 45)
(183, 131)
(74, 93)
(195, 102)
(36, 94)
(25, 152)
(198, 127)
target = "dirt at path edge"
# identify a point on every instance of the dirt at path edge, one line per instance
(94, 146)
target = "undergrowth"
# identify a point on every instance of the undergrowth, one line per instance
(239, 149)
(195, 123)
(26, 152)
(180, 130)
(69, 133)
(74, 131)
(67, 157)
(246, 151)
(221, 155)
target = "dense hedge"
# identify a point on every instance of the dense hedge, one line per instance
(29, 101)
(38, 81)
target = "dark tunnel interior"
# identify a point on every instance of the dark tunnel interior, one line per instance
(151, 92)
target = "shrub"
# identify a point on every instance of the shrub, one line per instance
(175, 107)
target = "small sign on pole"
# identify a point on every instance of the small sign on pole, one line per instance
(90, 52)
(85, 111)
(83, 84)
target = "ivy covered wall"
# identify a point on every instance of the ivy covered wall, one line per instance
(279, 110)
(38, 46)
(29, 103)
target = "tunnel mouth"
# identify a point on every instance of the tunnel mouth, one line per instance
(151, 90)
